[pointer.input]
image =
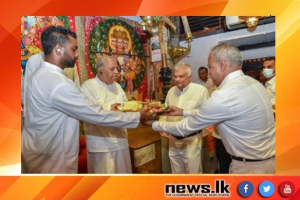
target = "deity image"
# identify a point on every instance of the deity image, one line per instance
(113, 42)
(120, 40)
(120, 46)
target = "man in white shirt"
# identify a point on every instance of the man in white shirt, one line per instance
(240, 108)
(269, 72)
(205, 80)
(185, 152)
(107, 147)
(50, 141)
(34, 62)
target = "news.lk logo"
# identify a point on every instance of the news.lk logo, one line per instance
(266, 189)
(286, 189)
(245, 189)
(198, 190)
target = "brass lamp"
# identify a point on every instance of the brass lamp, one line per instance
(150, 24)
(148, 20)
(251, 21)
(144, 26)
(147, 23)
(178, 51)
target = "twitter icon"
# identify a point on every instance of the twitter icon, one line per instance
(266, 189)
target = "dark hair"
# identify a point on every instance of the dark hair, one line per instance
(269, 58)
(203, 68)
(55, 35)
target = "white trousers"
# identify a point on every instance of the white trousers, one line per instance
(185, 155)
(259, 167)
(114, 162)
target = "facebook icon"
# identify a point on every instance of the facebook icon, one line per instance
(245, 189)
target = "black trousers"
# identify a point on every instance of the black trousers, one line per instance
(223, 157)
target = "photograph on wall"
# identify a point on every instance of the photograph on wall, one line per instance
(155, 49)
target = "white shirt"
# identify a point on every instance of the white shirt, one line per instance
(33, 63)
(50, 141)
(270, 86)
(243, 112)
(208, 84)
(103, 138)
(191, 97)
